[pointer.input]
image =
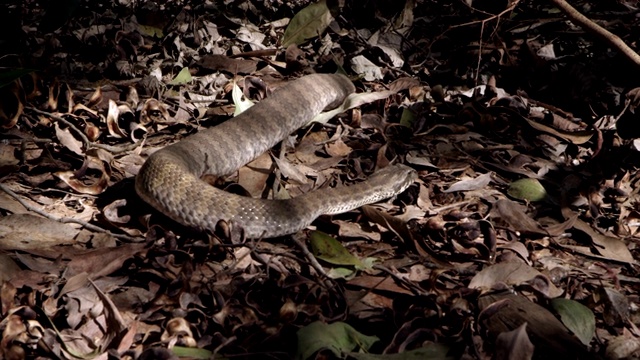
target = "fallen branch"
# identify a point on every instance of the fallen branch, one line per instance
(576, 17)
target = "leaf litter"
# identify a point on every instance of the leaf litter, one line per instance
(518, 240)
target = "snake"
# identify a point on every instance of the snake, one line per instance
(170, 178)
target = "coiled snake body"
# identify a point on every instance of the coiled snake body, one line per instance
(170, 178)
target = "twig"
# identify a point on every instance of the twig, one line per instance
(312, 259)
(20, 141)
(484, 22)
(410, 286)
(576, 17)
(221, 346)
(65, 220)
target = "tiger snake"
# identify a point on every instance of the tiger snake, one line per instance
(169, 180)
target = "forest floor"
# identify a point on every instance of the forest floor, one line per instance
(518, 240)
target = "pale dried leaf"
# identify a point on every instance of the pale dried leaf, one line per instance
(26, 231)
(511, 273)
(470, 184)
(308, 23)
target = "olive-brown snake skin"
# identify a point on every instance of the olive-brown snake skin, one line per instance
(170, 178)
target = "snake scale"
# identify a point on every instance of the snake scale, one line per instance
(170, 178)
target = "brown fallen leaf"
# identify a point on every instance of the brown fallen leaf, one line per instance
(515, 215)
(606, 247)
(102, 262)
(213, 63)
(66, 138)
(399, 227)
(549, 336)
(514, 344)
(97, 187)
(379, 283)
(253, 177)
(26, 231)
(510, 273)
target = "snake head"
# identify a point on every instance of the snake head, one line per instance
(393, 179)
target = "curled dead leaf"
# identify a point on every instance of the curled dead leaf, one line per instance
(154, 111)
(633, 97)
(96, 187)
(112, 120)
(11, 107)
(126, 115)
(92, 132)
(178, 332)
(95, 98)
(122, 121)
(19, 332)
(137, 131)
(405, 83)
(288, 311)
(133, 99)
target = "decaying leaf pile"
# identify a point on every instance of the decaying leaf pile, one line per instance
(519, 239)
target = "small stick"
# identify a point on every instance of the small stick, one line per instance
(65, 220)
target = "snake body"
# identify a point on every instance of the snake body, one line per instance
(170, 181)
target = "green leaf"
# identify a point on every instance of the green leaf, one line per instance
(408, 118)
(367, 263)
(183, 77)
(576, 317)
(151, 31)
(7, 76)
(331, 250)
(308, 23)
(431, 351)
(338, 337)
(341, 273)
(527, 189)
(193, 353)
